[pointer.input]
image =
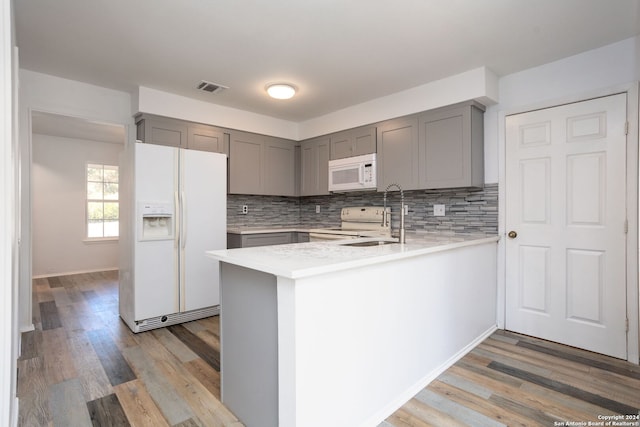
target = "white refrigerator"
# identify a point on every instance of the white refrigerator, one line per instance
(174, 211)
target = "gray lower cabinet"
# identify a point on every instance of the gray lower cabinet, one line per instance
(261, 239)
(451, 147)
(301, 237)
(182, 134)
(353, 142)
(398, 161)
(260, 164)
(314, 167)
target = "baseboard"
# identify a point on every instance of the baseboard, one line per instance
(397, 403)
(16, 411)
(69, 273)
(28, 328)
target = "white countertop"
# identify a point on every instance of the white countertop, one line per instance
(299, 260)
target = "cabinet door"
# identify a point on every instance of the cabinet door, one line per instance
(246, 153)
(353, 142)
(364, 140)
(234, 240)
(451, 148)
(279, 167)
(308, 168)
(314, 168)
(398, 153)
(266, 239)
(301, 237)
(165, 132)
(322, 176)
(206, 138)
(341, 145)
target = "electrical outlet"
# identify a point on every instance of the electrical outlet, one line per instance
(438, 210)
(406, 209)
(245, 209)
(317, 208)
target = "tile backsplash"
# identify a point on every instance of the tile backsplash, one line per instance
(466, 210)
(262, 210)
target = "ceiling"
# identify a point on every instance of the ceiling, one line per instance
(338, 53)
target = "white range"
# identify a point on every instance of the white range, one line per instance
(364, 221)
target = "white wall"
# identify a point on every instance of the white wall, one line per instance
(637, 43)
(588, 74)
(41, 92)
(8, 234)
(58, 210)
(612, 68)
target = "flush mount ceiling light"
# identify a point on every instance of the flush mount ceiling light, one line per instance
(281, 90)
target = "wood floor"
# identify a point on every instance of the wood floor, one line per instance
(82, 366)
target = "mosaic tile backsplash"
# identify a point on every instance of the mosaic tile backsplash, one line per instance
(467, 210)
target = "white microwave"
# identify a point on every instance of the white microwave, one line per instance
(353, 173)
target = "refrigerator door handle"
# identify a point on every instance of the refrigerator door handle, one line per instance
(183, 220)
(176, 220)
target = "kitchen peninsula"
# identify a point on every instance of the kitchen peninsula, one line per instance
(328, 333)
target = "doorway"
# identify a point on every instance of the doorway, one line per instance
(74, 190)
(566, 224)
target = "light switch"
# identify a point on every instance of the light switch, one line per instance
(438, 210)
(317, 208)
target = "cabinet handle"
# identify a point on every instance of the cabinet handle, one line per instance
(512, 234)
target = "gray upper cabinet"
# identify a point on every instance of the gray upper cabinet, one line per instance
(353, 142)
(398, 161)
(162, 131)
(260, 164)
(341, 145)
(280, 166)
(178, 133)
(314, 167)
(451, 147)
(436, 149)
(246, 159)
(207, 138)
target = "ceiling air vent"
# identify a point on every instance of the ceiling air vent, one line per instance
(210, 87)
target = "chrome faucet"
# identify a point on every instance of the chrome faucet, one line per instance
(385, 220)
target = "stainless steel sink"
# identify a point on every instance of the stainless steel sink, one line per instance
(370, 243)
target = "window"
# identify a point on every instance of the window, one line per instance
(103, 207)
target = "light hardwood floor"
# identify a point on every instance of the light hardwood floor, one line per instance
(82, 366)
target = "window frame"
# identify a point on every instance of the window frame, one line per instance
(87, 238)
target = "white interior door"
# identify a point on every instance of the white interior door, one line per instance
(566, 220)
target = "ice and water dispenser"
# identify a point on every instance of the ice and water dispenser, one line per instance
(155, 221)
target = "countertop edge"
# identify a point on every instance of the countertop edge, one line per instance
(223, 256)
(243, 230)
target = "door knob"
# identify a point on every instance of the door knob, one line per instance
(512, 234)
